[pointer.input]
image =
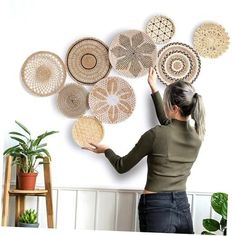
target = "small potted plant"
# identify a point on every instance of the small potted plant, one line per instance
(27, 155)
(219, 202)
(29, 218)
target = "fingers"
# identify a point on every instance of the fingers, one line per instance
(89, 149)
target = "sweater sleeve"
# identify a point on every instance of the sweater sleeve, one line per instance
(140, 150)
(157, 100)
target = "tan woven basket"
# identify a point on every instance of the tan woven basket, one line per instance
(43, 73)
(72, 100)
(112, 100)
(88, 61)
(87, 129)
(132, 53)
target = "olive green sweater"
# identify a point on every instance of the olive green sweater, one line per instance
(171, 147)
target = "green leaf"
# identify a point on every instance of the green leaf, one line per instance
(9, 150)
(42, 145)
(42, 136)
(23, 127)
(207, 233)
(17, 133)
(211, 224)
(18, 139)
(224, 210)
(219, 203)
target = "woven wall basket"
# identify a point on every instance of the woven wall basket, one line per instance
(87, 129)
(161, 29)
(177, 61)
(210, 40)
(43, 73)
(88, 61)
(112, 100)
(72, 100)
(132, 53)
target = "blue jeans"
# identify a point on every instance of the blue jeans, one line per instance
(166, 212)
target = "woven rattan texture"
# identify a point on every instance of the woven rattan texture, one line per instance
(112, 100)
(87, 129)
(72, 100)
(132, 53)
(210, 40)
(88, 61)
(177, 61)
(43, 73)
(161, 29)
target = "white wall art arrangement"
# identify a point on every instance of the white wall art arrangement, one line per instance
(80, 68)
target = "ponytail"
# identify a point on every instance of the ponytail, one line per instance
(198, 115)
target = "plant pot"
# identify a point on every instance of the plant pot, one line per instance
(20, 224)
(27, 180)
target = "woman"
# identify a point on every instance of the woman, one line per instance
(171, 147)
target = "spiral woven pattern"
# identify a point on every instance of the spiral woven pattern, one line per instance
(132, 53)
(210, 40)
(88, 61)
(43, 73)
(112, 100)
(87, 129)
(177, 61)
(161, 29)
(73, 100)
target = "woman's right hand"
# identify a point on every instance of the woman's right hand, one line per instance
(152, 80)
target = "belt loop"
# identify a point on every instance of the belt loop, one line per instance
(173, 196)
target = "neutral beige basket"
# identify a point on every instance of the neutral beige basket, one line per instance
(112, 100)
(87, 129)
(43, 73)
(161, 29)
(177, 61)
(88, 61)
(132, 53)
(210, 40)
(72, 100)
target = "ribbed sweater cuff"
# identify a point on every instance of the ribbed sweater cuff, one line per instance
(109, 154)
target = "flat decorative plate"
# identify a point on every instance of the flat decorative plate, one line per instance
(73, 100)
(177, 61)
(112, 100)
(161, 29)
(88, 61)
(43, 73)
(87, 129)
(132, 53)
(210, 40)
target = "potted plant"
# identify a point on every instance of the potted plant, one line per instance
(29, 218)
(219, 202)
(27, 155)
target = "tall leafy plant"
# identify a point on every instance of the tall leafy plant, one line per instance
(29, 152)
(219, 202)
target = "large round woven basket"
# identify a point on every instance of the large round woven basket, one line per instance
(43, 73)
(73, 100)
(88, 61)
(86, 130)
(112, 100)
(210, 40)
(177, 61)
(132, 53)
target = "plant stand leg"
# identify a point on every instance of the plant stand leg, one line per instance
(20, 207)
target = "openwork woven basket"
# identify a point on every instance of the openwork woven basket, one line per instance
(112, 100)
(177, 61)
(132, 53)
(73, 100)
(43, 73)
(210, 40)
(87, 129)
(88, 61)
(161, 29)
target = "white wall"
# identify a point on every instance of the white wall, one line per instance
(54, 25)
